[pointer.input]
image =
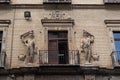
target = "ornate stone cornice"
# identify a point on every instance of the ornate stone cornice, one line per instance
(42, 6)
(112, 23)
(28, 6)
(5, 21)
(57, 22)
(63, 69)
(88, 6)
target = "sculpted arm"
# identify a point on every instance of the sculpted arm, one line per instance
(82, 45)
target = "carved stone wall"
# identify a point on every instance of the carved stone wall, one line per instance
(60, 77)
(29, 77)
(57, 14)
(90, 77)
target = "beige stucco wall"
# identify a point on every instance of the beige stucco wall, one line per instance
(91, 20)
(22, 26)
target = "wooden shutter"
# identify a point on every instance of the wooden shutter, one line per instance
(3, 49)
(53, 52)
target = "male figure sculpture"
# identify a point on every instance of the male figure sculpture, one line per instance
(28, 40)
(86, 45)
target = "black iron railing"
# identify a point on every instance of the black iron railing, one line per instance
(59, 57)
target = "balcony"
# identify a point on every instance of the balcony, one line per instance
(111, 1)
(116, 58)
(57, 1)
(4, 1)
(53, 57)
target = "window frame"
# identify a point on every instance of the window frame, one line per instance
(117, 51)
(112, 25)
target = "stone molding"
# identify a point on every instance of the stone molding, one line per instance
(42, 6)
(57, 22)
(112, 23)
(5, 21)
(88, 6)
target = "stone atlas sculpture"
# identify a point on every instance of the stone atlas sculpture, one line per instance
(86, 45)
(28, 40)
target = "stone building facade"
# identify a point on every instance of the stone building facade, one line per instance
(59, 39)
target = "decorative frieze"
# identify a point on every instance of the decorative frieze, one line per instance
(57, 14)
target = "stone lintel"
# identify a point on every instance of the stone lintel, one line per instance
(112, 21)
(57, 21)
(5, 21)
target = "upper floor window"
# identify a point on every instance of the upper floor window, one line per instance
(4, 1)
(117, 45)
(111, 1)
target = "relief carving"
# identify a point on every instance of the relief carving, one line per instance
(95, 58)
(22, 57)
(87, 47)
(28, 40)
(57, 14)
